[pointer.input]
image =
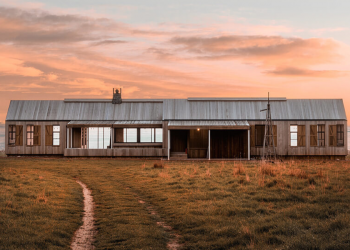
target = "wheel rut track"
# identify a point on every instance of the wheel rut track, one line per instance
(172, 235)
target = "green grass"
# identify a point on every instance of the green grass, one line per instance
(216, 205)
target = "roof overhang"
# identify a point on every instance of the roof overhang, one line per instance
(116, 124)
(212, 124)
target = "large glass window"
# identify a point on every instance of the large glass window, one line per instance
(12, 135)
(159, 134)
(130, 135)
(56, 135)
(99, 137)
(151, 135)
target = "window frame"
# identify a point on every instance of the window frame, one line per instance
(53, 136)
(340, 133)
(321, 133)
(30, 132)
(12, 132)
(139, 139)
(296, 135)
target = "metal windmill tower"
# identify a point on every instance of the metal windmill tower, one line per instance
(269, 150)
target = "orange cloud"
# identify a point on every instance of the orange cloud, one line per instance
(267, 51)
(11, 66)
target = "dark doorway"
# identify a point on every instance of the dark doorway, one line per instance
(178, 140)
(76, 143)
(229, 144)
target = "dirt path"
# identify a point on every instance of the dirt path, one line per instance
(85, 236)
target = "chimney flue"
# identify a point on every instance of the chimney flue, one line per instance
(117, 96)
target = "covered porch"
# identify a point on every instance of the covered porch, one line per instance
(115, 139)
(208, 140)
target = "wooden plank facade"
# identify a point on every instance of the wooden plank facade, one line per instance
(217, 136)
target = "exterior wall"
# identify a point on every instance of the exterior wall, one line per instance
(283, 140)
(123, 152)
(36, 150)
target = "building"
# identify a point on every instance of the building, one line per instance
(208, 128)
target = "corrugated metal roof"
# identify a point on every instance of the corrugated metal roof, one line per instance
(137, 122)
(109, 100)
(91, 123)
(177, 109)
(208, 123)
(225, 99)
(292, 109)
(59, 110)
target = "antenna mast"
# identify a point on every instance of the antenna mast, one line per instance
(269, 150)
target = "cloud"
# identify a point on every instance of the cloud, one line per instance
(11, 66)
(108, 42)
(305, 72)
(265, 51)
(51, 77)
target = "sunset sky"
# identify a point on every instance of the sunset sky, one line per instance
(174, 49)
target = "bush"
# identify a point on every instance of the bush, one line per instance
(158, 165)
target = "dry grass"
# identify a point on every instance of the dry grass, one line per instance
(216, 205)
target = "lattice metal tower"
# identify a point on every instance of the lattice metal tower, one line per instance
(269, 150)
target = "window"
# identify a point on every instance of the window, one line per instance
(340, 135)
(30, 135)
(33, 135)
(130, 135)
(294, 135)
(336, 135)
(151, 135)
(12, 135)
(321, 135)
(56, 135)
(138, 135)
(99, 137)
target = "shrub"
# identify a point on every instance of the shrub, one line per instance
(158, 165)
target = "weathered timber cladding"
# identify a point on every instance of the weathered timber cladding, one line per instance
(122, 152)
(198, 143)
(229, 144)
(283, 139)
(39, 133)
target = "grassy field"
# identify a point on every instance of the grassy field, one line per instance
(216, 205)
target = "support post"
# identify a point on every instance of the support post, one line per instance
(71, 137)
(209, 144)
(249, 144)
(168, 144)
(112, 137)
(67, 138)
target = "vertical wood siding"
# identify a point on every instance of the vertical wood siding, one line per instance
(42, 148)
